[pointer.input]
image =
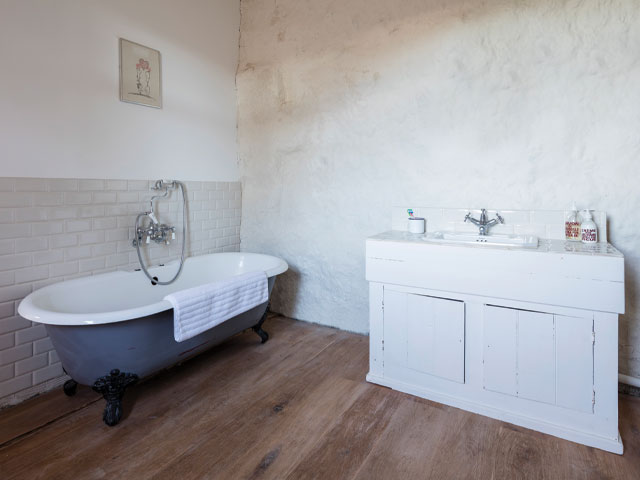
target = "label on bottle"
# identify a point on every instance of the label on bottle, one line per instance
(572, 230)
(589, 235)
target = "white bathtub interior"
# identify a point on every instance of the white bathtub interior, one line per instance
(121, 295)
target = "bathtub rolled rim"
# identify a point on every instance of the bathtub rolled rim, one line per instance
(29, 309)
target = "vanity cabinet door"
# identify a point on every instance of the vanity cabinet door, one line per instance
(574, 363)
(536, 356)
(425, 334)
(500, 354)
(539, 356)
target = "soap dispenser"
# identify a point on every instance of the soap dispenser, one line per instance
(572, 225)
(588, 229)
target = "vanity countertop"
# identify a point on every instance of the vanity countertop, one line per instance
(557, 272)
(561, 247)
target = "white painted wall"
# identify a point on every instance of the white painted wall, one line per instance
(61, 113)
(348, 108)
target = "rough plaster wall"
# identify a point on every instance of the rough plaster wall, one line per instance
(347, 108)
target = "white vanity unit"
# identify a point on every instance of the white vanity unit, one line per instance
(528, 336)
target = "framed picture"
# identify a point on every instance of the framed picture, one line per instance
(140, 76)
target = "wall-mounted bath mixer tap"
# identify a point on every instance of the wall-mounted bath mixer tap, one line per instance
(484, 224)
(160, 232)
(156, 231)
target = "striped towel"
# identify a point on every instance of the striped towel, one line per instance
(198, 309)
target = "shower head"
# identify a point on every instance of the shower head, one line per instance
(163, 184)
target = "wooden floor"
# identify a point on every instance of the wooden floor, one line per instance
(296, 407)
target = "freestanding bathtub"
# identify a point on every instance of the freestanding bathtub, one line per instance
(111, 329)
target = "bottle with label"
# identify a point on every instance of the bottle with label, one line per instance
(588, 229)
(572, 225)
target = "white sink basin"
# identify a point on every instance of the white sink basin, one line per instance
(524, 241)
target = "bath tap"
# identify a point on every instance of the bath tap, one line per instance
(484, 224)
(158, 232)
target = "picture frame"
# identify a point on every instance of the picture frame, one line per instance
(140, 74)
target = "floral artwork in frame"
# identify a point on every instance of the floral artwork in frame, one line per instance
(140, 80)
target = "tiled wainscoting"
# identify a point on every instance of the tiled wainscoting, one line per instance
(57, 229)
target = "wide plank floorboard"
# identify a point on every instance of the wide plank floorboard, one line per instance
(296, 407)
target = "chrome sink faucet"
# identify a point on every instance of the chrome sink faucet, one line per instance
(484, 224)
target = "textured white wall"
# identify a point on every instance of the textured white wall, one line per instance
(60, 110)
(347, 108)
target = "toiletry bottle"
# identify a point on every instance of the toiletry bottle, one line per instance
(588, 228)
(572, 225)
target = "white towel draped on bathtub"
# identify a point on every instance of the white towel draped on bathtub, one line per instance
(201, 308)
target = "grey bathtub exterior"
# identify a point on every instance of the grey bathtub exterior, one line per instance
(141, 346)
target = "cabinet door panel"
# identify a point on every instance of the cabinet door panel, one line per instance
(420, 333)
(395, 327)
(425, 334)
(536, 357)
(574, 363)
(448, 339)
(500, 335)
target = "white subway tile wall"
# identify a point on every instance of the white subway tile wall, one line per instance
(545, 224)
(57, 229)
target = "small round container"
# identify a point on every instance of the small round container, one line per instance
(417, 225)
